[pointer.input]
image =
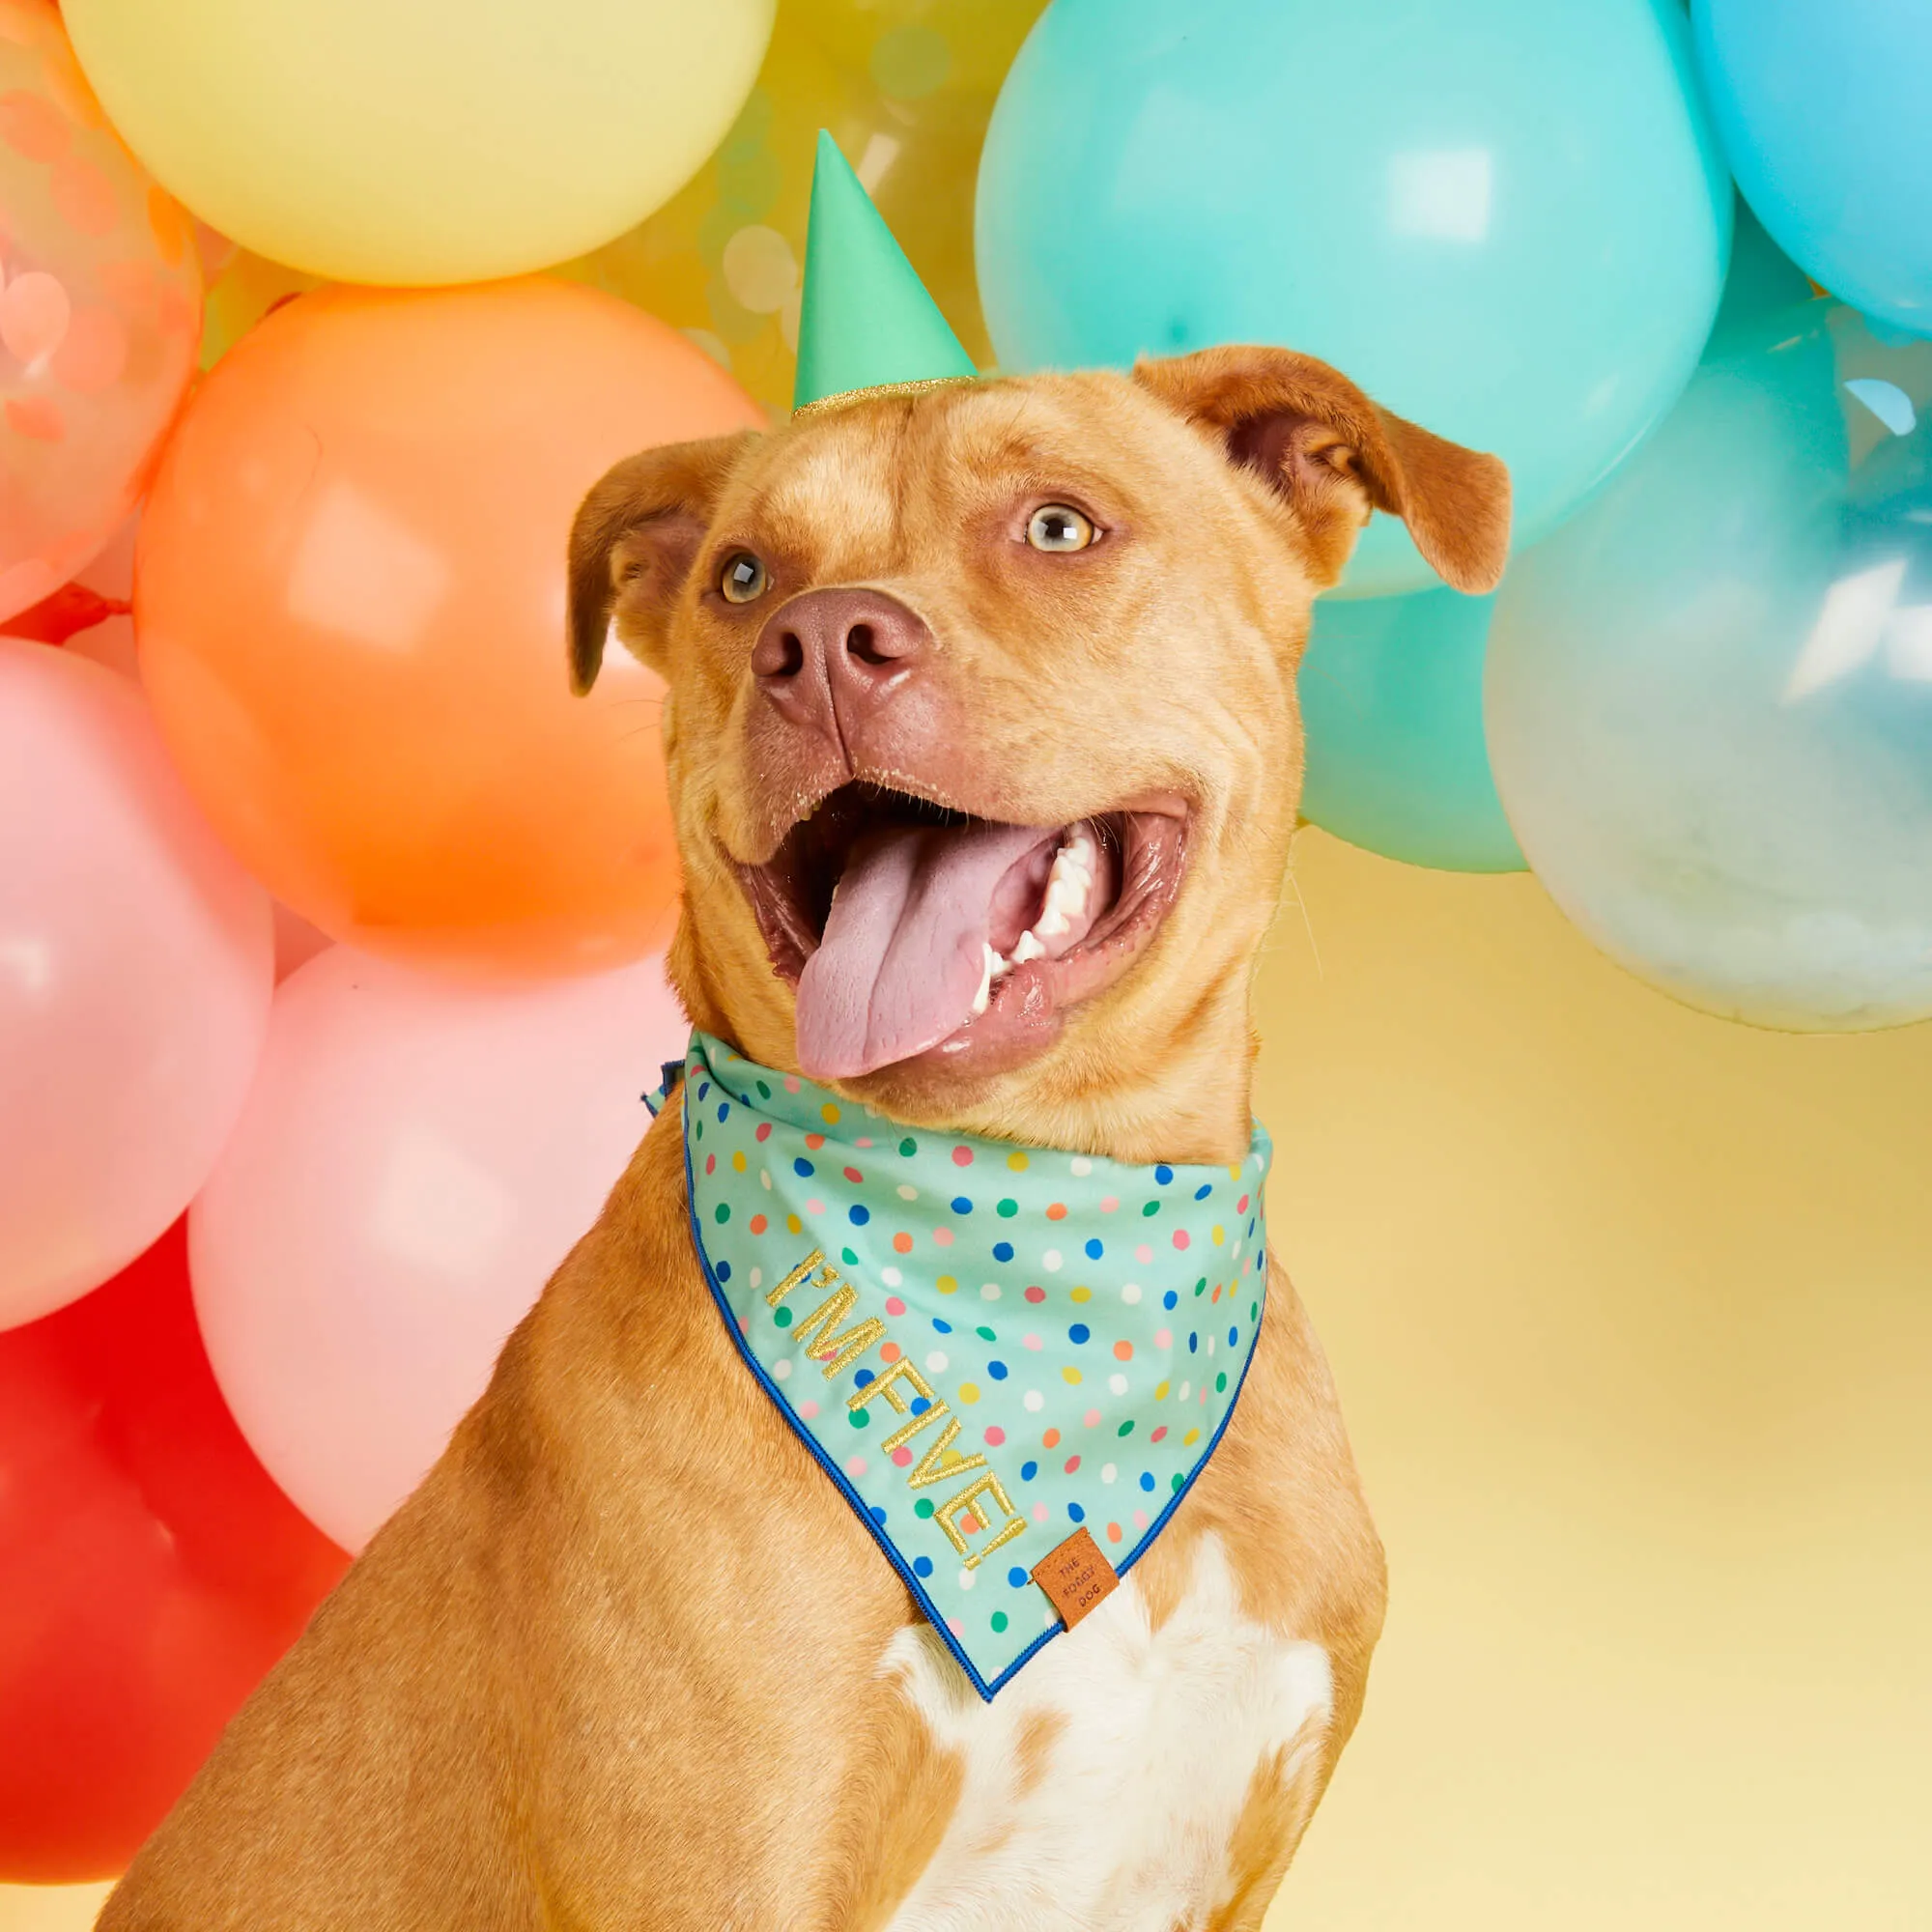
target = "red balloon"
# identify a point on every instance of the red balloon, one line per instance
(150, 1571)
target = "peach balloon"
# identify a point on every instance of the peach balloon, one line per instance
(415, 1158)
(99, 313)
(348, 598)
(136, 971)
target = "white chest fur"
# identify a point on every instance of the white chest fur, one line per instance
(1104, 1782)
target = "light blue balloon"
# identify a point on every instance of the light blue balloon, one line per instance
(1709, 699)
(1392, 708)
(1506, 219)
(1824, 111)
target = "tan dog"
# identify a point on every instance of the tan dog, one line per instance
(626, 1658)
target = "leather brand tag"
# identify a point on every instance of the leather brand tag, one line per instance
(1076, 1576)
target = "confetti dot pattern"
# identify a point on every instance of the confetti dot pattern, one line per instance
(1088, 1355)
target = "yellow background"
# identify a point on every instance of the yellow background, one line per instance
(1632, 1314)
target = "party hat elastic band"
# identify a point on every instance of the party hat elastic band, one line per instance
(866, 321)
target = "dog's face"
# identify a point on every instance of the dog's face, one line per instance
(982, 730)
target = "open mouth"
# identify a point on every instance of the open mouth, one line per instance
(909, 929)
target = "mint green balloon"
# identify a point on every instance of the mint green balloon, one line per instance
(1506, 219)
(1392, 708)
(1709, 699)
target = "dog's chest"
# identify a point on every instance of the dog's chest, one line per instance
(1103, 1787)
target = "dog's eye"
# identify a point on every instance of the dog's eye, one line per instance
(1059, 526)
(743, 578)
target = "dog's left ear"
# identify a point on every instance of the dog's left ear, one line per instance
(633, 543)
(1333, 456)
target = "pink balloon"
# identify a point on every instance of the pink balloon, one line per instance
(137, 965)
(416, 1157)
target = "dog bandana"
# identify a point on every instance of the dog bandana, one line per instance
(996, 1352)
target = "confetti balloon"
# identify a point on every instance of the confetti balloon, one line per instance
(1503, 218)
(415, 1158)
(348, 596)
(1710, 695)
(905, 87)
(434, 141)
(99, 306)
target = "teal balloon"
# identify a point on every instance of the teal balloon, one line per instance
(1392, 687)
(1392, 712)
(1762, 279)
(1709, 695)
(1506, 219)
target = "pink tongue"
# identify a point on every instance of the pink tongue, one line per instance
(905, 944)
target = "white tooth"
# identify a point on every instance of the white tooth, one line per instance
(984, 997)
(1066, 897)
(1069, 886)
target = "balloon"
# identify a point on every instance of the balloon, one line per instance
(72, 611)
(415, 1159)
(1822, 108)
(135, 972)
(349, 599)
(1392, 708)
(244, 289)
(108, 582)
(1504, 218)
(100, 305)
(1392, 687)
(905, 87)
(1710, 695)
(150, 1572)
(444, 141)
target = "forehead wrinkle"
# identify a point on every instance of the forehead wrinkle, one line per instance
(834, 492)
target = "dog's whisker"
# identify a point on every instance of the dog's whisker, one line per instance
(1290, 883)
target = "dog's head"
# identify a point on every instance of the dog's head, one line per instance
(982, 730)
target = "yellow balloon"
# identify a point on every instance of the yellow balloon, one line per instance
(420, 141)
(906, 88)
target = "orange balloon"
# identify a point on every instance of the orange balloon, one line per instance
(350, 605)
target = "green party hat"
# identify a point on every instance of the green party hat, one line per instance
(866, 322)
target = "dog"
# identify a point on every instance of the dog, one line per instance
(626, 1658)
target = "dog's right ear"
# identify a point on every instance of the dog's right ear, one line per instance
(1331, 455)
(632, 545)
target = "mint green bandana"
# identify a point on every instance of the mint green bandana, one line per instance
(987, 1347)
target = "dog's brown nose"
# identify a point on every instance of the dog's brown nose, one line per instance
(828, 659)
